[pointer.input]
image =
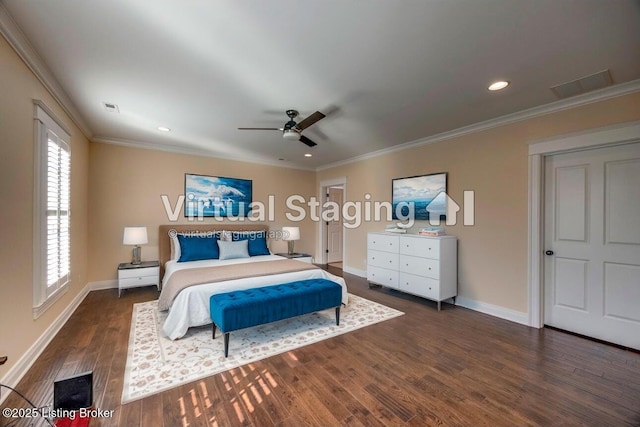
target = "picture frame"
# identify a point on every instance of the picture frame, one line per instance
(217, 196)
(427, 194)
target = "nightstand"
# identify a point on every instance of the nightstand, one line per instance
(136, 275)
(298, 257)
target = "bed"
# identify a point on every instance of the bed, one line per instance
(189, 306)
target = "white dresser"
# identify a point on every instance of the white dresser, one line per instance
(419, 265)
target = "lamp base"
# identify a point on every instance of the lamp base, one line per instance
(290, 246)
(136, 255)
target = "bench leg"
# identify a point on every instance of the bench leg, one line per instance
(226, 344)
(213, 335)
(338, 316)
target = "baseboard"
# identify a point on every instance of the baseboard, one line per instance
(103, 284)
(494, 310)
(354, 271)
(22, 366)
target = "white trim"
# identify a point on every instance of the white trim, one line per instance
(44, 306)
(191, 152)
(609, 135)
(493, 310)
(576, 101)
(22, 366)
(595, 138)
(354, 271)
(535, 217)
(322, 227)
(20, 43)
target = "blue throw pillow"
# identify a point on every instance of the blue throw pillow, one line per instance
(196, 248)
(232, 250)
(257, 241)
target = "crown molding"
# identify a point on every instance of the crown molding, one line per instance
(191, 152)
(20, 43)
(554, 107)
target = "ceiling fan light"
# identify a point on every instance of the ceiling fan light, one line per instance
(291, 135)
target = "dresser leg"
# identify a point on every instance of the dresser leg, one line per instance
(438, 305)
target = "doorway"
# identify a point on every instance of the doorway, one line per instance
(619, 202)
(335, 195)
(331, 236)
(592, 243)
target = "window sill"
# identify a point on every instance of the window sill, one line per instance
(40, 309)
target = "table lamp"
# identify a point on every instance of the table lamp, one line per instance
(135, 236)
(290, 234)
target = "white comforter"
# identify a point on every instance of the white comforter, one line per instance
(191, 306)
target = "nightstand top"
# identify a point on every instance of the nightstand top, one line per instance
(294, 255)
(143, 264)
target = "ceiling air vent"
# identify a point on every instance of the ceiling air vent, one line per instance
(110, 107)
(583, 85)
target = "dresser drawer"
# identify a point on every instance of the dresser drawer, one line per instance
(381, 242)
(383, 259)
(420, 246)
(382, 276)
(131, 273)
(421, 286)
(421, 266)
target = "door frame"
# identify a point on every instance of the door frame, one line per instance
(322, 227)
(595, 138)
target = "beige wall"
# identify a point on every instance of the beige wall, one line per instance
(127, 185)
(492, 255)
(18, 88)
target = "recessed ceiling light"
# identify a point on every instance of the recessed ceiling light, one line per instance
(164, 129)
(498, 85)
(308, 155)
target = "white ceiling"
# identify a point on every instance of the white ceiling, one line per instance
(388, 71)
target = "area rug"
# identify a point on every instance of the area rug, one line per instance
(156, 363)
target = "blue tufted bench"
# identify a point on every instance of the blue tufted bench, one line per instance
(241, 309)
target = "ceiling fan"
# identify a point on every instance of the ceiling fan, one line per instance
(293, 130)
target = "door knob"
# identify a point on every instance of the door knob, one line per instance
(548, 252)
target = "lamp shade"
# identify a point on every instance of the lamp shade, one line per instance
(290, 233)
(135, 236)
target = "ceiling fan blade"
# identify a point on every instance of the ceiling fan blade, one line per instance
(307, 141)
(259, 129)
(310, 120)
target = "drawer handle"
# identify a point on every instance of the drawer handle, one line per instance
(429, 268)
(389, 261)
(429, 287)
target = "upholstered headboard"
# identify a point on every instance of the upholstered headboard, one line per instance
(164, 242)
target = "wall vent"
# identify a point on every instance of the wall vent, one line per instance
(111, 107)
(583, 84)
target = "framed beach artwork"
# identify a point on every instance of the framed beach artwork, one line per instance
(425, 194)
(216, 196)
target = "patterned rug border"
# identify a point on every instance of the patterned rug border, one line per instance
(235, 359)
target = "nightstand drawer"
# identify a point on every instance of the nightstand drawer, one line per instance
(138, 281)
(153, 272)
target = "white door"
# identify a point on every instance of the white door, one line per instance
(592, 243)
(334, 228)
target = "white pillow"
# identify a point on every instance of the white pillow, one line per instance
(232, 250)
(175, 246)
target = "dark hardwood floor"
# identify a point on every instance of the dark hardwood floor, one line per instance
(455, 367)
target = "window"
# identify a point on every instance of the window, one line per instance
(52, 217)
